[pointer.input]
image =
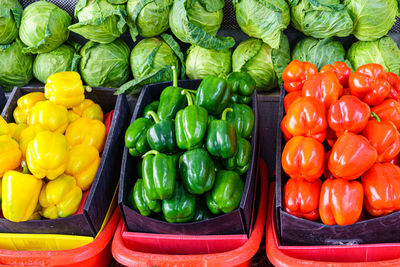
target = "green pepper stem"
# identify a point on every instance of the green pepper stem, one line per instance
(151, 152)
(376, 117)
(223, 117)
(191, 91)
(154, 115)
(25, 169)
(188, 96)
(175, 77)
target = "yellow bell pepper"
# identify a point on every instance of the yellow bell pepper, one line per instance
(27, 135)
(89, 109)
(88, 132)
(10, 154)
(4, 129)
(25, 105)
(60, 197)
(16, 130)
(83, 162)
(72, 116)
(20, 195)
(47, 155)
(36, 213)
(52, 116)
(65, 88)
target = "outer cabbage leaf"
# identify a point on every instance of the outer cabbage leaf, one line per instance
(10, 19)
(117, 2)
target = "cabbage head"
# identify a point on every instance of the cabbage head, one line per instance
(319, 51)
(197, 22)
(148, 18)
(372, 19)
(263, 19)
(15, 66)
(202, 62)
(63, 58)
(44, 27)
(264, 64)
(105, 65)
(10, 19)
(383, 51)
(99, 21)
(117, 2)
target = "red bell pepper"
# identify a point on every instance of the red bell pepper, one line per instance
(290, 98)
(389, 110)
(330, 136)
(301, 198)
(341, 201)
(369, 83)
(394, 82)
(285, 132)
(341, 70)
(296, 73)
(351, 156)
(327, 173)
(303, 158)
(382, 189)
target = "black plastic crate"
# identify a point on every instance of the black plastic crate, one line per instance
(89, 222)
(236, 222)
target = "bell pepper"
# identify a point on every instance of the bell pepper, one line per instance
(25, 105)
(197, 171)
(140, 201)
(341, 70)
(171, 99)
(349, 114)
(213, 94)
(381, 185)
(65, 88)
(303, 158)
(210, 119)
(180, 207)
(190, 125)
(323, 86)
(49, 115)
(4, 129)
(341, 201)
(242, 87)
(10, 154)
(290, 98)
(136, 137)
(242, 117)
(83, 162)
(330, 137)
(27, 135)
(394, 81)
(72, 116)
(389, 110)
(88, 132)
(240, 163)
(221, 138)
(60, 198)
(88, 109)
(20, 194)
(202, 213)
(285, 132)
(47, 155)
(159, 175)
(15, 130)
(301, 198)
(369, 84)
(226, 194)
(327, 173)
(153, 106)
(296, 73)
(307, 117)
(161, 135)
(351, 156)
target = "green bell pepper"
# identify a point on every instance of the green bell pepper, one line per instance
(171, 99)
(180, 207)
(161, 136)
(139, 200)
(135, 137)
(226, 194)
(190, 125)
(202, 212)
(213, 94)
(159, 175)
(242, 117)
(197, 171)
(241, 161)
(242, 86)
(210, 119)
(152, 106)
(221, 137)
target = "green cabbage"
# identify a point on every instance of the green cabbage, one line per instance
(10, 19)
(44, 27)
(117, 2)
(202, 62)
(105, 65)
(263, 19)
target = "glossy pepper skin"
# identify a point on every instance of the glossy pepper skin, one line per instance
(47, 155)
(394, 81)
(290, 98)
(25, 105)
(242, 87)
(349, 114)
(240, 163)
(65, 88)
(226, 194)
(285, 132)
(341, 70)
(153, 106)
(190, 125)
(49, 115)
(221, 138)
(389, 110)
(197, 171)
(161, 135)
(27, 135)
(15, 130)
(341, 201)
(202, 213)
(307, 117)
(180, 207)
(20, 194)
(242, 117)
(136, 137)
(296, 73)
(4, 129)
(369, 84)
(10, 154)
(159, 175)
(381, 185)
(351, 156)
(88, 109)
(301, 198)
(303, 158)
(60, 198)
(213, 94)
(140, 201)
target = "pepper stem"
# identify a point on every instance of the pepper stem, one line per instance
(154, 115)
(151, 152)
(175, 77)
(188, 96)
(25, 169)
(223, 117)
(88, 89)
(376, 117)
(191, 91)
